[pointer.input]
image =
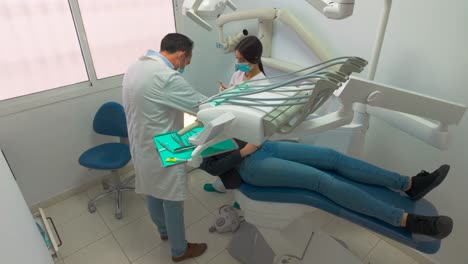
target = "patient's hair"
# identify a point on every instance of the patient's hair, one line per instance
(174, 42)
(251, 49)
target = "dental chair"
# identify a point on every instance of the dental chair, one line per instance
(344, 129)
(288, 110)
(255, 113)
(279, 207)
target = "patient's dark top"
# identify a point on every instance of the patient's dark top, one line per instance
(225, 166)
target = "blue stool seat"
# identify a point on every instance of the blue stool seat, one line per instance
(301, 196)
(108, 156)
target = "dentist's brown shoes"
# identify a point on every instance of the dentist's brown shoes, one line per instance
(193, 250)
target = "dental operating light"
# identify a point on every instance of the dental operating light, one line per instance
(337, 9)
(199, 10)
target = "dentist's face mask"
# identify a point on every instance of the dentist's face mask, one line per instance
(243, 67)
(181, 68)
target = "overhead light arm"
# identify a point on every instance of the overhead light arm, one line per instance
(199, 10)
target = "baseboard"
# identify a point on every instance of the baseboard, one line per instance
(64, 195)
(124, 172)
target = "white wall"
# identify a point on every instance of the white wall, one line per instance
(43, 144)
(424, 51)
(427, 53)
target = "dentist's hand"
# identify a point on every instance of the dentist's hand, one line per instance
(222, 87)
(248, 149)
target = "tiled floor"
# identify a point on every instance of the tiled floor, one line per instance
(100, 238)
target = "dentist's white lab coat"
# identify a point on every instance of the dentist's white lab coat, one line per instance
(155, 97)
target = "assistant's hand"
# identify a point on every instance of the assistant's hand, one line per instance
(222, 87)
(248, 149)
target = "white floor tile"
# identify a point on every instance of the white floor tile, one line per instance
(293, 239)
(224, 258)
(193, 211)
(384, 253)
(58, 260)
(81, 232)
(197, 178)
(95, 191)
(212, 200)
(69, 209)
(138, 238)
(198, 233)
(103, 251)
(160, 255)
(358, 240)
(133, 208)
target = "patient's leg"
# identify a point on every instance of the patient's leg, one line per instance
(262, 170)
(332, 160)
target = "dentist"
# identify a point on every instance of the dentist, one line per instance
(155, 96)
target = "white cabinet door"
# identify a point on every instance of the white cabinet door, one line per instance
(20, 240)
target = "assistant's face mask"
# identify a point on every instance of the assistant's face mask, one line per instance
(243, 67)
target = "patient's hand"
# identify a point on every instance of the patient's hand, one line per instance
(248, 149)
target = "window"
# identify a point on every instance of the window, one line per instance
(39, 48)
(120, 31)
(48, 44)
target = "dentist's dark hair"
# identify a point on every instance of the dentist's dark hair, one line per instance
(174, 42)
(251, 49)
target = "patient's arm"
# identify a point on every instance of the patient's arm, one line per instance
(248, 149)
(222, 163)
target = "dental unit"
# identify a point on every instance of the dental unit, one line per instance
(298, 107)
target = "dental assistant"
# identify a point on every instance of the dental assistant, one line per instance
(248, 67)
(155, 96)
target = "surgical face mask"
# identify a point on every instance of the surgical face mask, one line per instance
(181, 70)
(243, 67)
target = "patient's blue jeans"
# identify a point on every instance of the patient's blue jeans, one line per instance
(169, 218)
(285, 164)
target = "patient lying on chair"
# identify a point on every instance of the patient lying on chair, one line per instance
(286, 164)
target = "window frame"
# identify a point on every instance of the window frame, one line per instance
(68, 92)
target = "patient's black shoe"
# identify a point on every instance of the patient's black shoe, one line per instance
(435, 226)
(424, 182)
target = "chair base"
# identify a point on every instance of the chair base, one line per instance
(117, 188)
